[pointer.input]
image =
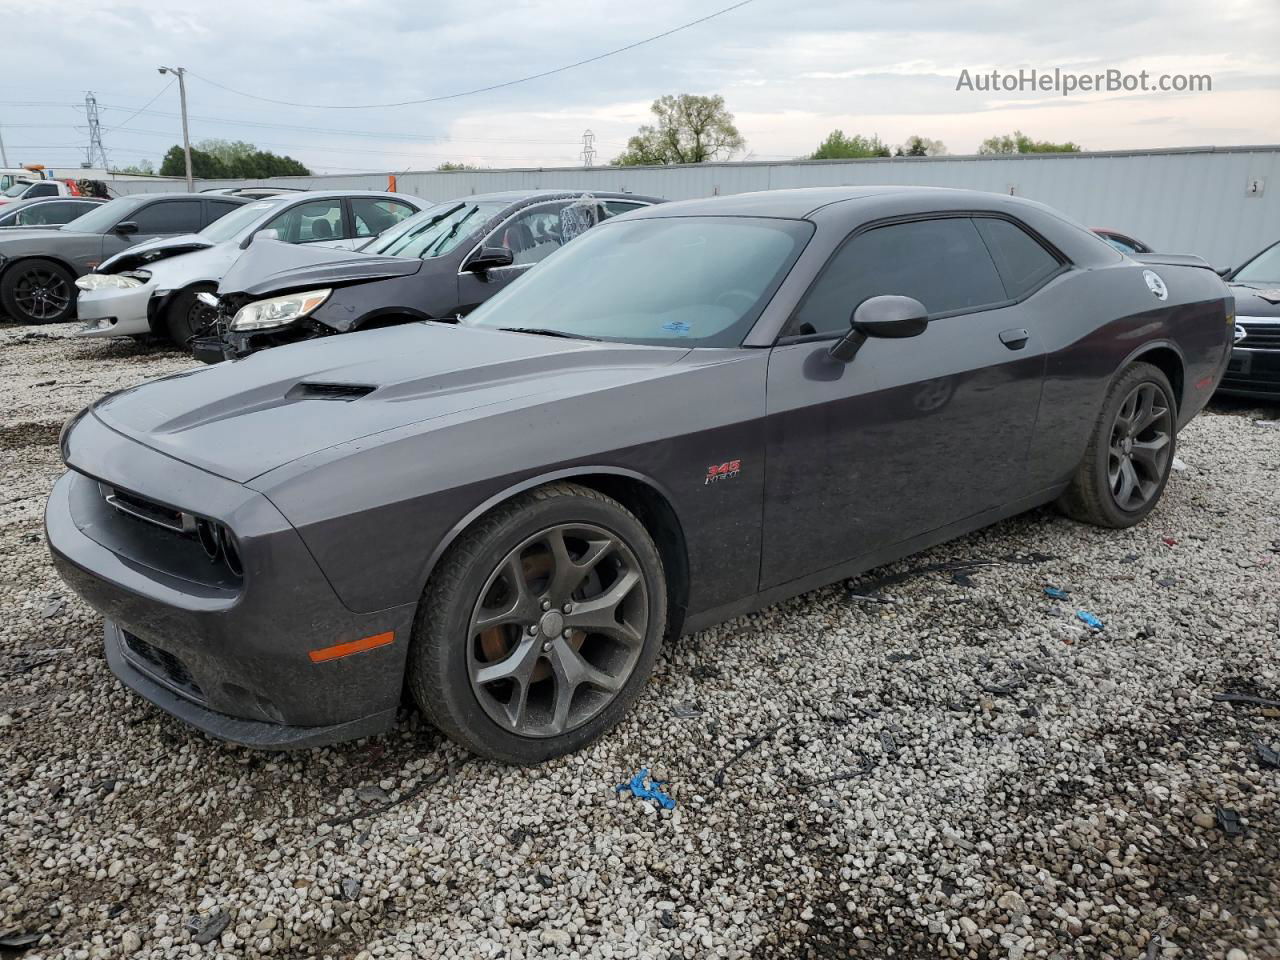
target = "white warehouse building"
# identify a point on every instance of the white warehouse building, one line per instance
(1220, 203)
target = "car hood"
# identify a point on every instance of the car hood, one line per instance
(1257, 299)
(142, 254)
(243, 418)
(270, 266)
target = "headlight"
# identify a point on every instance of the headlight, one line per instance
(278, 311)
(107, 281)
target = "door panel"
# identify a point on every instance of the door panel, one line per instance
(910, 436)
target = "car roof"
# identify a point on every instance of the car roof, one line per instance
(802, 202)
(517, 196)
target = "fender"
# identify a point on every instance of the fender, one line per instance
(6, 265)
(372, 318)
(1169, 345)
(529, 483)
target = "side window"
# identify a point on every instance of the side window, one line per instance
(310, 222)
(1022, 262)
(942, 263)
(611, 208)
(372, 215)
(169, 216)
(533, 234)
(219, 209)
(41, 190)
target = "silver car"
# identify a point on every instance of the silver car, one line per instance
(153, 287)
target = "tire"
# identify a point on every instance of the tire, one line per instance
(451, 654)
(38, 291)
(1100, 493)
(185, 316)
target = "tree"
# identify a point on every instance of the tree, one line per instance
(1019, 142)
(143, 168)
(690, 129)
(449, 165)
(223, 160)
(921, 147)
(839, 147)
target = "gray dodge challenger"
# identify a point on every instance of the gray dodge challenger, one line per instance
(695, 410)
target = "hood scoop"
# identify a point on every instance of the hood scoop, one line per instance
(329, 391)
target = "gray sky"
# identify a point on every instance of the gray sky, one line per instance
(790, 71)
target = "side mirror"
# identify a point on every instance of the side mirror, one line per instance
(126, 227)
(269, 234)
(885, 317)
(488, 258)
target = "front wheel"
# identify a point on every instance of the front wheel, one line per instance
(540, 626)
(38, 291)
(186, 317)
(1129, 457)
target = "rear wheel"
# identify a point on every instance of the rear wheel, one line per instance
(540, 626)
(186, 317)
(1130, 454)
(38, 291)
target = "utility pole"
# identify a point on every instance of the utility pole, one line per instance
(181, 74)
(96, 151)
(4, 157)
(588, 149)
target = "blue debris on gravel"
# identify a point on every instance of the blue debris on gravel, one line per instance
(1057, 593)
(1089, 620)
(647, 791)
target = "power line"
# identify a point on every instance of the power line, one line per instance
(496, 86)
(163, 91)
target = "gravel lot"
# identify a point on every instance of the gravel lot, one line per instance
(966, 771)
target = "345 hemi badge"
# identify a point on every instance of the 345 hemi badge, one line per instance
(722, 471)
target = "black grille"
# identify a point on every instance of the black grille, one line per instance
(163, 664)
(1260, 336)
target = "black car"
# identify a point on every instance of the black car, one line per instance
(39, 267)
(441, 264)
(46, 211)
(692, 411)
(1254, 370)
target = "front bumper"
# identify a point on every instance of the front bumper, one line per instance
(228, 654)
(1254, 368)
(114, 313)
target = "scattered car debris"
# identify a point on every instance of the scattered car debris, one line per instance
(718, 778)
(686, 710)
(1129, 558)
(1233, 697)
(1229, 821)
(888, 744)
(19, 941)
(53, 608)
(650, 790)
(1267, 423)
(1169, 541)
(1179, 465)
(207, 929)
(863, 598)
(1057, 593)
(1267, 756)
(896, 657)
(1089, 620)
(667, 919)
(1166, 582)
(961, 579)
(350, 888)
(1028, 559)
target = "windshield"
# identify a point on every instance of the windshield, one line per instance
(17, 189)
(238, 222)
(1264, 268)
(435, 232)
(679, 281)
(103, 218)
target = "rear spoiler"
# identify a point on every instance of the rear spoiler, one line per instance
(1172, 260)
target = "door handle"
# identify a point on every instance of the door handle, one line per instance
(1014, 339)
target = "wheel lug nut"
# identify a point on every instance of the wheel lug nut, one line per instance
(546, 604)
(546, 647)
(533, 629)
(568, 607)
(567, 634)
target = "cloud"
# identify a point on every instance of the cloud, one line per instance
(791, 73)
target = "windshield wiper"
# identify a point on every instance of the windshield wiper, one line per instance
(543, 332)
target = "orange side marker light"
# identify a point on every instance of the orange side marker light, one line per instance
(355, 646)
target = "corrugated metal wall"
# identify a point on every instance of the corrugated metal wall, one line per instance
(1194, 200)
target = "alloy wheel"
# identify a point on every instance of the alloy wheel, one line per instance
(557, 630)
(42, 294)
(1138, 453)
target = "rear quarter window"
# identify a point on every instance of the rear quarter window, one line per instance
(1022, 261)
